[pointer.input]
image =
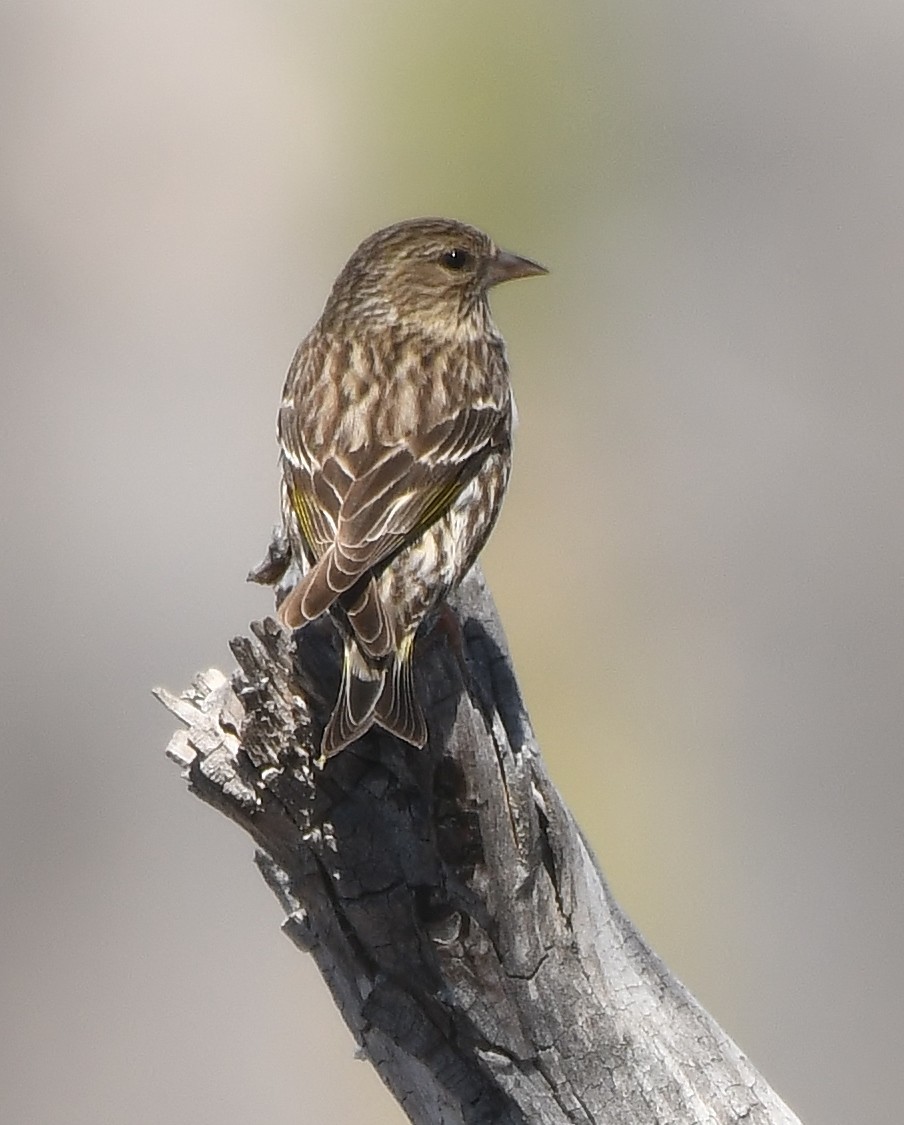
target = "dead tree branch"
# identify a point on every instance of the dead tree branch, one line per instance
(449, 899)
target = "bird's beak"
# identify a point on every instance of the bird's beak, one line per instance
(508, 267)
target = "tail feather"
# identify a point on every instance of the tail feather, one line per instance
(369, 695)
(354, 713)
(397, 709)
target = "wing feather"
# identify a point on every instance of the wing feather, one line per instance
(355, 508)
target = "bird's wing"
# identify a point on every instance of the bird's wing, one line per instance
(374, 502)
(314, 494)
(411, 486)
(314, 517)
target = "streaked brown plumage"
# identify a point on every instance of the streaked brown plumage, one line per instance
(395, 438)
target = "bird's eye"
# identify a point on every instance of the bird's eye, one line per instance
(456, 259)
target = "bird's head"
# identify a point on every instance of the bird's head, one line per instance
(430, 274)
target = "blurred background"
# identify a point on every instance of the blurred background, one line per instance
(699, 565)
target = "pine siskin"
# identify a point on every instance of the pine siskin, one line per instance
(395, 436)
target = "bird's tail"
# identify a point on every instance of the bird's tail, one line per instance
(353, 715)
(369, 695)
(397, 709)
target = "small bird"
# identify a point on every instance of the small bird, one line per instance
(395, 435)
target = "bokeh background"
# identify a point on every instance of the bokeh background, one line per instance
(701, 559)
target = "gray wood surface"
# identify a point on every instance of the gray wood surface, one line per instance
(449, 899)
